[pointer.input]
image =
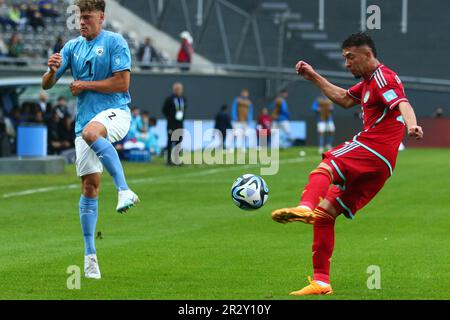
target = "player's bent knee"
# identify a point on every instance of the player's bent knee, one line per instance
(90, 186)
(324, 169)
(90, 190)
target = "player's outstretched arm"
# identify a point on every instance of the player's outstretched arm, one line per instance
(336, 94)
(119, 82)
(410, 120)
(49, 78)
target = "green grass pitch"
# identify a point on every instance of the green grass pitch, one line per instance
(187, 240)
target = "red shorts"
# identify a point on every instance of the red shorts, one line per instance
(358, 175)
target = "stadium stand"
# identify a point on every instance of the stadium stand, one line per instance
(303, 36)
(254, 44)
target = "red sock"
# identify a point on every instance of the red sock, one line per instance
(316, 189)
(323, 244)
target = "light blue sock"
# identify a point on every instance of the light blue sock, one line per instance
(88, 218)
(330, 140)
(321, 141)
(110, 159)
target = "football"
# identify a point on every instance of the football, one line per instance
(249, 192)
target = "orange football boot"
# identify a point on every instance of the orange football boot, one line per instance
(300, 214)
(313, 288)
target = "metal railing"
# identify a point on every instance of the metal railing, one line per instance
(283, 74)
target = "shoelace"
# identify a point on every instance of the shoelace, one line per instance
(92, 265)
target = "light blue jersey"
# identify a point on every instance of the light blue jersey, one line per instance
(96, 60)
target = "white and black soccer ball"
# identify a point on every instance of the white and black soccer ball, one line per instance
(249, 192)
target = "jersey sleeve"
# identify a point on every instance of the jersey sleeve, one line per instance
(120, 55)
(65, 54)
(393, 92)
(355, 92)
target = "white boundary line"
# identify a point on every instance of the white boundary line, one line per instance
(144, 180)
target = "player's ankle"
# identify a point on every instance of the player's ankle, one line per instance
(305, 206)
(322, 283)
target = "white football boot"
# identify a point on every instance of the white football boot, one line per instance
(127, 199)
(91, 269)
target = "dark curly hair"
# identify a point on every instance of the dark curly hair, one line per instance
(360, 39)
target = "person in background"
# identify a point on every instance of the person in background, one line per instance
(241, 117)
(14, 16)
(61, 108)
(47, 10)
(136, 123)
(186, 52)
(174, 109)
(281, 117)
(44, 104)
(222, 123)
(147, 54)
(35, 18)
(15, 46)
(438, 113)
(146, 134)
(325, 124)
(263, 128)
(3, 48)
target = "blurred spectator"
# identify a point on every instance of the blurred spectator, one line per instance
(136, 123)
(263, 128)
(241, 117)
(146, 134)
(9, 99)
(43, 103)
(23, 15)
(68, 131)
(48, 50)
(174, 109)
(15, 46)
(186, 52)
(147, 54)
(35, 18)
(281, 117)
(5, 147)
(438, 112)
(325, 124)
(7, 135)
(26, 114)
(46, 9)
(5, 20)
(14, 16)
(59, 44)
(61, 108)
(58, 134)
(16, 118)
(38, 117)
(3, 48)
(222, 123)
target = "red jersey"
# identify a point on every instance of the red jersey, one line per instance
(265, 121)
(383, 123)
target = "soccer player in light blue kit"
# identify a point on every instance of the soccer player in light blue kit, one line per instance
(100, 64)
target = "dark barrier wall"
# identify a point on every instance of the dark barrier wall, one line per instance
(436, 134)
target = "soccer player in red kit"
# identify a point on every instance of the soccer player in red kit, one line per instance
(351, 174)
